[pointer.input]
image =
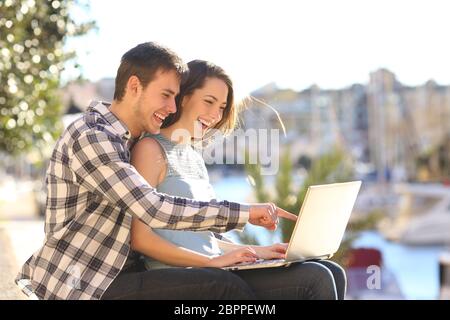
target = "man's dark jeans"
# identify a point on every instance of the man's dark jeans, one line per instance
(307, 280)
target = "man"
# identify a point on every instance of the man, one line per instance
(93, 192)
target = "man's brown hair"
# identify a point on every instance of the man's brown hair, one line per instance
(143, 61)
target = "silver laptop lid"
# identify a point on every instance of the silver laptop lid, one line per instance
(322, 220)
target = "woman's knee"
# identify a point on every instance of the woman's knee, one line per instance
(340, 277)
(336, 269)
(319, 280)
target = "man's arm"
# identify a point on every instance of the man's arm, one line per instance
(100, 168)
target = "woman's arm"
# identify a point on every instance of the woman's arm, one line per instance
(149, 160)
(145, 241)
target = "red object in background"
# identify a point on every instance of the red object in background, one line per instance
(364, 257)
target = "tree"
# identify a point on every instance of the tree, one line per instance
(32, 57)
(434, 163)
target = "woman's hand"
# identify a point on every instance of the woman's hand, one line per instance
(246, 254)
(275, 251)
(249, 254)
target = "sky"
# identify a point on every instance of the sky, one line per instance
(293, 43)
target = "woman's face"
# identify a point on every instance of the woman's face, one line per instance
(204, 108)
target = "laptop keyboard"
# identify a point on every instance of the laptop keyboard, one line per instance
(260, 261)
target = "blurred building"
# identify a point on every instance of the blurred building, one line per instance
(383, 124)
(79, 94)
(404, 123)
(315, 119)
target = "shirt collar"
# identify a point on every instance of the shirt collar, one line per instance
(103, 108)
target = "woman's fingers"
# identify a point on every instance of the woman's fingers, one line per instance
(249, 252)
(244, 256)
(280, 247)
(275, 255)
(245, 259)
(244, 252)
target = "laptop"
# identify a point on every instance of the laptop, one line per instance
(319, 228)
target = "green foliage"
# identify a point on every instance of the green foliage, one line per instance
(328, 168)
(32, 57)
(434, 163)
(256, 179)
(283, 184)
(354, 227)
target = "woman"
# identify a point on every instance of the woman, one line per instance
(206, 102)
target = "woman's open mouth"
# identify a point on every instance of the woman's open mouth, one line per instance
(205, 124)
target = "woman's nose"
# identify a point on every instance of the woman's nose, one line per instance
(216, 115)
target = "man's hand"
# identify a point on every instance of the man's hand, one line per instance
(266, 215)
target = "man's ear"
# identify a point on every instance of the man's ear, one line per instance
(134, 86)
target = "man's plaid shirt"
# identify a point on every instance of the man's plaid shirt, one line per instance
(93, 192)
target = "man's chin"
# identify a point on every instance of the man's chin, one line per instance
(153, 128)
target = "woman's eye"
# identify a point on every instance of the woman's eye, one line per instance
(208, 101)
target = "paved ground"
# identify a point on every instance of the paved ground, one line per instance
(21, 232)
(8, 267)
(18, 240)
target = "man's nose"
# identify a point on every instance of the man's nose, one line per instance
(172, 106)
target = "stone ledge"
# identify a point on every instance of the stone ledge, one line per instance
(9, 269)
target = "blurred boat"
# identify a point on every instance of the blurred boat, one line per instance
(423, 215)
